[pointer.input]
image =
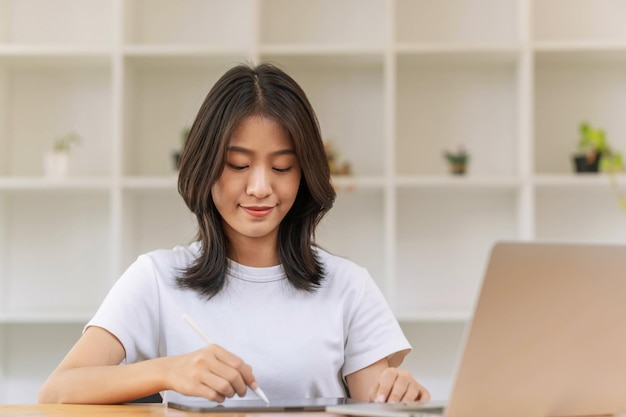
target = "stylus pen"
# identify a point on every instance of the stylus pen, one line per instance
(258, 391)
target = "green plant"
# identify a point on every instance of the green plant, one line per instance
(458, 159)
(64, 143)
(184, 134)
(594, 144)
(336, 164)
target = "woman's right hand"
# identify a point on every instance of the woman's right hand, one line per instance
(211, 372)
(93, 364)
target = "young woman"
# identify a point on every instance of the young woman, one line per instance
(284, 314)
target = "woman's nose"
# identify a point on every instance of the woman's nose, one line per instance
(259, 183)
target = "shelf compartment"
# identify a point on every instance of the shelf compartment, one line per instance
(443, 101)
(353, 88)
(46, 269)
(162, 97)
(220, 23)
(593, 84)
(349, 22)
(154, 219)
(454, 21)
(593, 215)
(433, 359)
(61, 95)
(57, 22)
(354, 229)
(584, 20)
(30, 364)
(444, 239)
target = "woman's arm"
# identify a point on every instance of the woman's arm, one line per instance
(381, 383)
(90, 373)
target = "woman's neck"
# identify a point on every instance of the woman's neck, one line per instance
(255, 252)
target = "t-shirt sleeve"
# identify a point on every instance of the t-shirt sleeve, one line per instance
(373, 332)
(130, 311)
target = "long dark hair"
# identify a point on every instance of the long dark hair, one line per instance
(243, 91)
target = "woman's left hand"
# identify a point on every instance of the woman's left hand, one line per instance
(395, 385)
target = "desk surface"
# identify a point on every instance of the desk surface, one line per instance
(136, 410)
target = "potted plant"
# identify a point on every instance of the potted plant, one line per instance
(57, 160)
(594, 152)
(184, 134)
(458, 160)
(335, 164)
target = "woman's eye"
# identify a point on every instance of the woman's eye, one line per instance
(238, 167)
(282, 169)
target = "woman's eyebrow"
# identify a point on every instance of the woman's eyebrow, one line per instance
(249, 151)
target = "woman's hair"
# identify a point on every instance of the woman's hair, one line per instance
(244, 91)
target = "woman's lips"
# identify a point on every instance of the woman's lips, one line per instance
(257, 211)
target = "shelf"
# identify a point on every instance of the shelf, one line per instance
(582, 180)
(178, 52)
(343, 51)
(29, 55)
(166, 182)
(583, 47)
(351, 182)
(434, 316)
(69, 317)
(467, 181)
(43, 183)
(460, 50)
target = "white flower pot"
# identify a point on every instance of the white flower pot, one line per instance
(56, 164)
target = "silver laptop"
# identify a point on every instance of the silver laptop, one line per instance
(547, 338)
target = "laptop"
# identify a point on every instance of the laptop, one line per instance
(547, 338)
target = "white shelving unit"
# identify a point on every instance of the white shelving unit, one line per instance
(394, 83)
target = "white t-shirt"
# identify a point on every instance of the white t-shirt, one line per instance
(299, 344)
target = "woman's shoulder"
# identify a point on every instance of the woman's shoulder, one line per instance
(177, 254)
(168, 263)
(334, 260)
(341, 268)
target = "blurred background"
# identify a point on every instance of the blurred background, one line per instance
(450, 124)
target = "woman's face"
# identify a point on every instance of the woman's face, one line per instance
(259, 182)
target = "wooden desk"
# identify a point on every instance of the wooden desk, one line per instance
(135, 410)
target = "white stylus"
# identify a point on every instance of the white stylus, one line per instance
(258, 391)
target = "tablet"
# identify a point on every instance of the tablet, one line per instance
(251, 406)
